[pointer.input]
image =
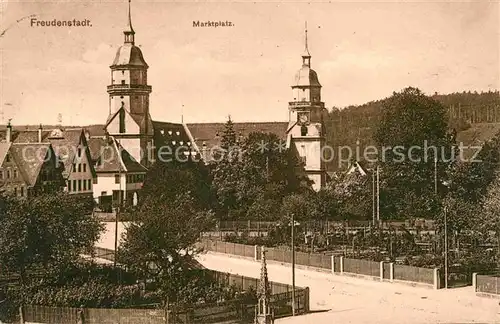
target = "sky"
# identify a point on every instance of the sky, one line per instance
(362, 51)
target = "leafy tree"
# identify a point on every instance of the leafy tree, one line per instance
(353, 194)
(412, 134)
(160, 243)
(470, 179)
(263, 170)
(50, 230)
(490, 218)
(164, 181)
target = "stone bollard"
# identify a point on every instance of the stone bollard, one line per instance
(341, 264)
(391, 272)
(437, 279)
(381, 270)
(333, 263)
(21, 315)
(474, 281)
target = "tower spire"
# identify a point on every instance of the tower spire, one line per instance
(129, 31)
(306, 56)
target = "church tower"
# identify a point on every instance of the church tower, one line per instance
(129, 120)
(306, 131)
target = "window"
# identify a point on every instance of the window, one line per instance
(8, 174)
(79, 152)
(1, 174)
(15, 173)
(79, 167)
(303, 130)
(15, 191)
(69, 185)
(74, 167)
(7, 158)
(79, 185)
(84, 185)
(84, 167)
(123, 81)
(74, 185)
(122, 121)
(117, 178)
(89, 181)
(22, 191)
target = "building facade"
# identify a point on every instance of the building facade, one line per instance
(28, 168)
(306, 133)
(129, 119)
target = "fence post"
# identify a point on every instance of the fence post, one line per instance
(381, 270)
(333, 264)
(306, 300)
(474, 281)
(391, 271)
(437, 279)
(255, 256)
(21, 314)
(341, 264)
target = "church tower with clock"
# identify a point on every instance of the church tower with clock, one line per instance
(129, 120)
(306, 131)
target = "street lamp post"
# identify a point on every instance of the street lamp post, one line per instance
(293, 265)
(445, 250)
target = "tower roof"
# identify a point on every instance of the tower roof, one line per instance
(129, 31)
(128, 53)
(306, 77)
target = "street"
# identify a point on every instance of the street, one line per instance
(336, 299)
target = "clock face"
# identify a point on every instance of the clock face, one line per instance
(303, 118)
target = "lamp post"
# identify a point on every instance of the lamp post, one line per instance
(445, 250)
(293, 264)
(119, 202)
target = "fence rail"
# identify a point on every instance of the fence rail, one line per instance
(488, 284)
(326, 225)
(332, 263)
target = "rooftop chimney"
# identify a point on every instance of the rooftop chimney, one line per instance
(8, 135)
(40, 134)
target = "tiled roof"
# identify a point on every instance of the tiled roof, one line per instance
(131, 165)
(28, 136)
(4, 149)
(106, 151)
(170, 134)
(95, 130)
(66, 147)
(95, 144)
(30, 158)
(211, 133)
